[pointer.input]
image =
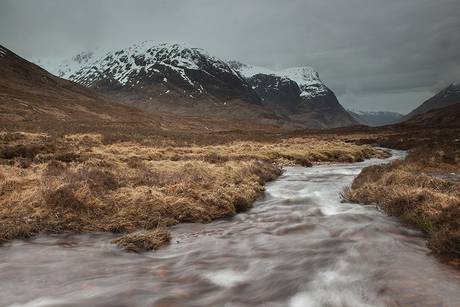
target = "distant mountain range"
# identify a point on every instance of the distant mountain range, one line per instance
(175, 79)
(374, 118)
(443, 109)
(178, 79)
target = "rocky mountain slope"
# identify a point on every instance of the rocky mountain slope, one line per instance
(375, 119)
(448, 96)
(30, 93)
(178, 79)
(174, 79)
(441, 117)
(70, 66)
(297, 93)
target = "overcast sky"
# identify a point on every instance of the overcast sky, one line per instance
(388, 55)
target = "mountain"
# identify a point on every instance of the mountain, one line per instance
(375, 118)
(70, 66)
(30, 93)
(361, 120)
(441, 117)
(448, 96)
(174, 79)
(178, 79)
(297, 93)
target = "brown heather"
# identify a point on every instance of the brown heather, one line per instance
(74, 183)
(423, 190)
(143, 242)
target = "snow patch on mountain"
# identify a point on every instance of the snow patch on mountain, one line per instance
(306, 78)
(70, 66)
(90, 66)
(375, 113)
(120, 65)
(375, 118)
(2, 52)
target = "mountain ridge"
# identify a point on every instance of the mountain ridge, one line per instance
(30, 93)
(179, 79)
(374, 118)
(446, 97)
(297, 93)
(448, 116)
(32, 97)
(174, 79)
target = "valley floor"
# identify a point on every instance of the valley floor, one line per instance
(123, 178)
(86, 182)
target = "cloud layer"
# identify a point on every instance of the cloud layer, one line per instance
(381, 55)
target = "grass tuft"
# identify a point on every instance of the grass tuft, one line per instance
(143, 242)
(63, 199)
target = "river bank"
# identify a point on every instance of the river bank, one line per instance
(299, 245)
(422, 190)
(78, 183)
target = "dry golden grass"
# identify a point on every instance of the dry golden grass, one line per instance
(423, 190)
(143, 242)
(80, 183)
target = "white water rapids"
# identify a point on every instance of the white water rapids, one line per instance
(298, 246)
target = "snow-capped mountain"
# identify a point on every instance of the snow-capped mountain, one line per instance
(64, 68)
(178, 79)
(122, 64)
(307, 78)
(50, 66)
(70, 66)
(297, 93)
(173, 78)
(448, 96)
(374, 118)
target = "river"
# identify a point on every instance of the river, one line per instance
(298, 246)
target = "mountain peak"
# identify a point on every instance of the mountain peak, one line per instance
(448, 96)
(120, 65)
(374, 113)
(301, 75)
(297, 93)
(306, 77)
(173, 78)
(177, 78)
(451, 90)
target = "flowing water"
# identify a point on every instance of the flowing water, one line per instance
(298, 246)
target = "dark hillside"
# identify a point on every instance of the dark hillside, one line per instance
(448, 96)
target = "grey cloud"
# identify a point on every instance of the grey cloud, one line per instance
(383, 48)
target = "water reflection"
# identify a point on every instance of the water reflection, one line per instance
(298, 246)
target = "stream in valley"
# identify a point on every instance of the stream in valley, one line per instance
(298, 246)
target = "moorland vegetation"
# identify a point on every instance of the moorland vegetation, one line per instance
(72, 160)
(137, 182)
(423, 190)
